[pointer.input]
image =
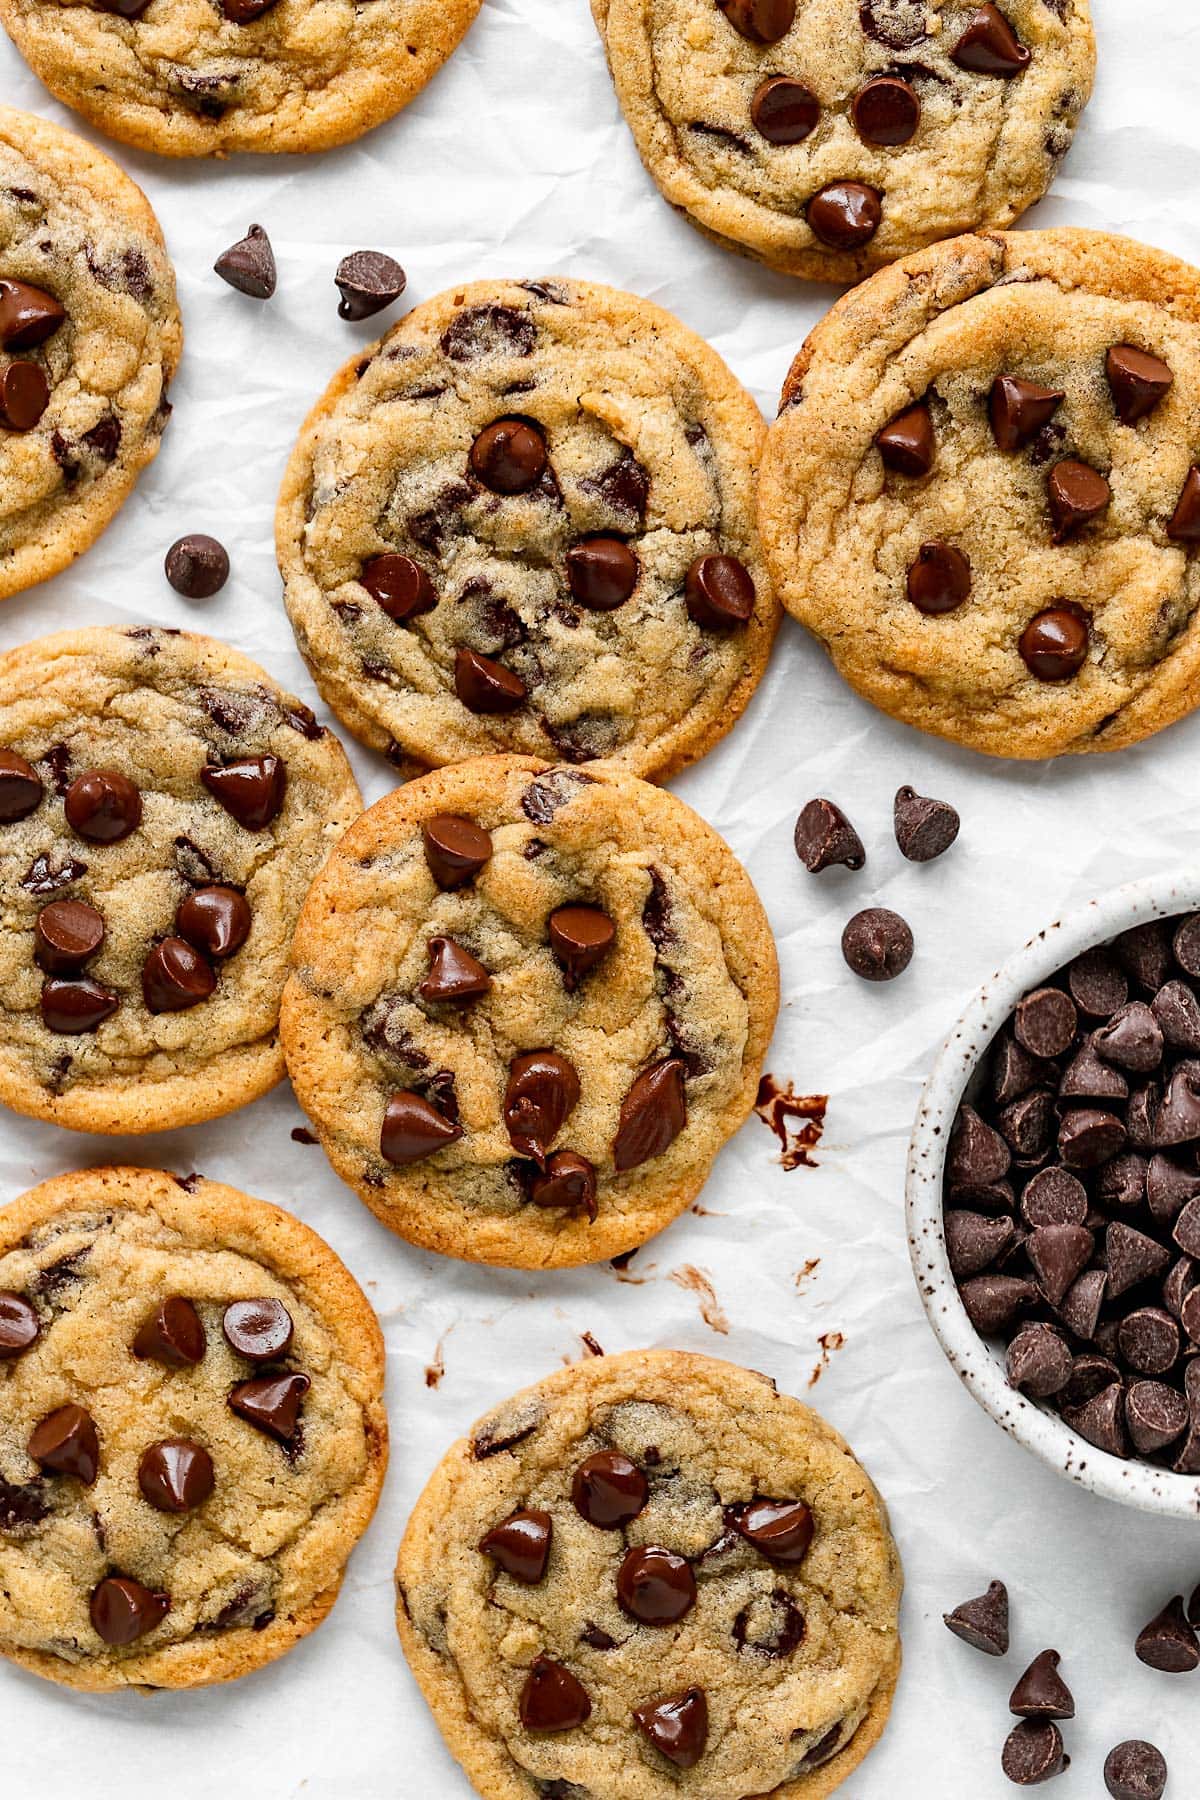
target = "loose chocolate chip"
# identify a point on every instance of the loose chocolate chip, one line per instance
(1155, 1414)
(485, 686)
(1054, 1197)
(24, 396)
(122, 1611)
(924, 828)
(400, 585)
(21, 788)
(609, 1490)
(784, 111)
(1178, 1285)
(1184, 527)
(1045, 1022)
(1135, 1770)
(974, 1241)
(653, 1113)
(1187, 1229)
(542, 1092)
(103, 806)
(1131, 1257)
(1080, 1309)
(28, 315)
(1088, 1078)
(1058, 1254)
(413, 1128)
(939, 580)
(992, 1302)
(250, 789)
(197, 566)
(824, 837)
(1041, 1692)
(1149, 1340)
(1186, 945)
(602, 572)
(1100, 1420)
(455, 976)
(175, 977)
(845, 215)
(983, 1622)
(1168, 1641)
(1038, 1361)
(1089, 1137)
(655, 1586)
(1033, 1751)
(1054, 645)
(1177, 1013)
(72, 1005)
(1018, 410)
(521, 1545)
(569, 1182)
(1145, 953)
(1132, 1039)
(215, 920)
(1097, 983)
(260, 1330)
(1138, 381)
(249, 265)
(456, 849)
(271, 1403)
(780, 1530)
(877, 944)
(176, 1475)
(719, 592)
(676, 1725)
(760, 21)
(990, 46)
(173, 1334)
(18, 1324)
(907, 444)
(1189, 1314)
(509, 456)
(977, 1156)
(1178, 1119)
(580, 936)
(1077, 493)
(552, 1699)
(66, 1443)
(1122, 1182)
(1028, 1124)
(887, 111)
(368, 281)
(65, 934)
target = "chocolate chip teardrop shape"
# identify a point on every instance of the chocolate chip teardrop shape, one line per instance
(172, 1335)
(542, 1093)
(784, 111)
(271, 1403)
(940, 579)
(886, 111)
(74, 1005)
(719, 591)
(780, 1530)
(18, 1324)
(456, 849)
(251, 789)
(66, 1443)
(655, 1586)
(676, 1725)
(21, 788)
(609, 1490)
(760, 21)
(1077, 493)
(845, 215)
(653, 1113)
(580, 936)
(122, 1611)
(552, 1699)
(175, 977)
(28, 315)
(215, 920)
(414, 1128)
(455, 976)
(521, 1545)
(602, 573)
(24, 396)
(1018, 409)
(509, 456)
(907, 443)
(1184, 527)
(485, 685)
(990, 46)
(1137, 381)
(65, 934)
(176, 1475)
(568, 1182)
(1054, 644)
(259, 1329)
(400, 585)
(103, 806)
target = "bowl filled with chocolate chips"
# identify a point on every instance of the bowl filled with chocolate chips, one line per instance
(1054, 1196)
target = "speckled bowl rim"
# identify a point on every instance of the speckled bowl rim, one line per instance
(979, 1366)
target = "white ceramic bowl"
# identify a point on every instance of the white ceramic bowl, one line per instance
(957, 1070)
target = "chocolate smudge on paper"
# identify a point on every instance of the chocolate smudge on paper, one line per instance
(777, 1104)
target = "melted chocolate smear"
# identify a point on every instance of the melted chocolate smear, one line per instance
(624, 486)
(546, 290)
(21, 1508)
(656, 913)
(505, 1430)
(581, 740)
(42, 878)
(194, 865)
(897, 23)
(51, 1281)
(730, 139)
(57, 761)
(547, 793)
(786, 1631)
(489, 331)
(443, 519)
(775, 1105)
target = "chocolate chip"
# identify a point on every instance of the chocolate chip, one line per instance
(1077, 493)
(456, 849)
(542, 1092)
(886, 111)
(1041, 1692)
(1184, 527)
(974, 1241)
(609, 1490)
(780, 1530)
(1018, 409)
(602, 573)
(655, 1586)
(939, 580)
(1058, 1254)
(824, 837)
(1054, 645)
(977, 1156)
(760, 21)
(197, 566)
(993, 1301)
(1080, 1308)
(1090, 1136)
(485, 686)
(1138, 381)
(568, 1182)
(509, 456)
(414, 1128)
(983, 1622)
(784, 111)
(250, 789)
(271, 1403)
(877, 944)
(1145, 953)
(1186, 944)
(103, 806)
(719, 592)
(521, 1545)
(1033, 1751)
(1097, 983)
(552, 1699)
(1132, 1039)
(175, 977)
(76, 1004)
(1149, 1340)
(1178, 1285)
(1122, 1182)
(1168, 1641)
(1178, 1119)
(580, 936)
(1054, 1197)
(176, 1475)
(1135, 1770)
(65, 934)
(1155, 1414)
(66, 1443)
(249, 265)
(122, 1611)
(845, 215)
(215, 920)
(173, 1334)
(1131, 1257)
(676, 1725)
(1038, 1361)
(368, 281)
(653, 1113)
(24, 396)
(21, 788)
(1189, 1314)
(907, 444)
(924, 828)
(990, 46)
(28, 315)
(1045, 1022)
(1100, 1420)
(1187, 1229)
(18, 1325)
(1088, 1078)
(455, 976)
(260, 1330)
(400, 585)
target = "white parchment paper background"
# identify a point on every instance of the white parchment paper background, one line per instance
(516, 162)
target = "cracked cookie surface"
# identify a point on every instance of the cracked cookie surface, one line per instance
(776, 1675)
(163, 807)
(829, 137)
(160, 1537)
(529, 1004)
(525, 521)
(982, 494)
(89, 339)
(206, 77)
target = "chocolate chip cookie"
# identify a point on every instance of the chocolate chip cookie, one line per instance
(829, 137)
(194, 78)
(983, 491)
(89, 339)
(524, 521)
(652, 1575)
(163, 807)
(529, 1005)
(192, 1431)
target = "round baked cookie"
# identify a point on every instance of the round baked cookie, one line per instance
(89, 339)
(829, 137)
(163, 808)
(525, 521)
(652, 1575)
(983, 491)
(192, 1430)
(529, 1004)
(205, 77)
